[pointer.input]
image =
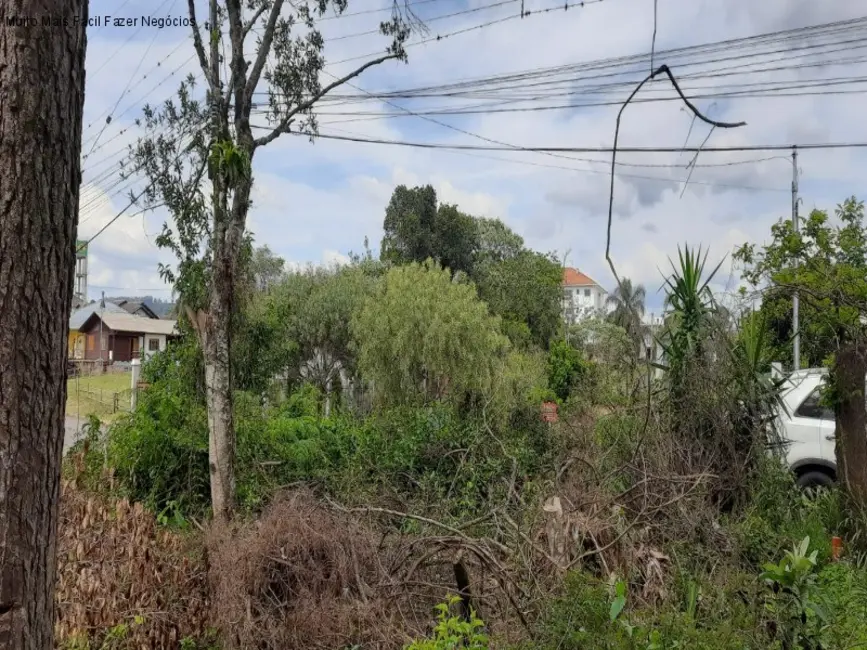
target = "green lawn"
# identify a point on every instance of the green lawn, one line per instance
(88, 395)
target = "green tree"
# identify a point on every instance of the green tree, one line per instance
(691, 314)
(627, 310)
(497, 242)
(417, 229)
(316, 308)
(197, 157)
(524, 289)
(266, 268)
(423, 337)
(409, 225)
(827, 265)
(456, 239)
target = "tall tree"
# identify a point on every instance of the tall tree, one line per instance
(827, 265)
(42, 86)
(497, 242)
(417, 229)
(409, 225)
(266, 268)
(191, 140)
(627, 303)
(456, 239)
(524, 289)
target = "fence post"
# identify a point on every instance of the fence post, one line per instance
(136, 371)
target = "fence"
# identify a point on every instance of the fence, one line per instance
(113, 401)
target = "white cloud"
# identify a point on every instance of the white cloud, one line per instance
(316, 202)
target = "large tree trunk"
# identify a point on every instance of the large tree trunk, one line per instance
(41, 100)
(216, 345)
(849, 373)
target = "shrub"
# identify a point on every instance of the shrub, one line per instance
(566, 368)
(780, 514)
(122, 582)
(300, 577)
(452, 632)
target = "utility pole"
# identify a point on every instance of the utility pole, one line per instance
(795, 303)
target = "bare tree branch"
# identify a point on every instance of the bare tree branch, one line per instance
(264, 49)
(283, 127)
(197, 43)
(261, 10)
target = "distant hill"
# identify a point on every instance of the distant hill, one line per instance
(162, 308)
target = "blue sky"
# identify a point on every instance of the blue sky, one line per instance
(314, 203)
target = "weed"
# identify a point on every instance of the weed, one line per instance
(452, 632)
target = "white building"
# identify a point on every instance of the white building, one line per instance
(582, 296)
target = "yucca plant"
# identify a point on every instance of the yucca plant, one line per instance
(759, 393)
(691, 305)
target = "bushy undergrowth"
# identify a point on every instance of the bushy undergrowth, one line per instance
(435, 454)
(669, 523)
(779, 515)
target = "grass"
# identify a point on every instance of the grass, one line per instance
(94, 395)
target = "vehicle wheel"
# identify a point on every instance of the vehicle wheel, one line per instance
(815, 479)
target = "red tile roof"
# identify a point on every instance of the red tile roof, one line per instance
(574, 278)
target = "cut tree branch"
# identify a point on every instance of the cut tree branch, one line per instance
(264, 49)
(283, 127)
(663, 69)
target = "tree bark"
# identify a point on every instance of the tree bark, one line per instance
(849, 375)
(41, 102)
(215, 339)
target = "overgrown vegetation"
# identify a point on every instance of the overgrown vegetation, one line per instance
(398, 488)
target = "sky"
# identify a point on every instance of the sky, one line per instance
(315, 202)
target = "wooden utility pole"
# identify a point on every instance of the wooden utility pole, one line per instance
(42, 48)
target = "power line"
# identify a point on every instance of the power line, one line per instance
(128, 108)
(134, 289)
(564, 6)
(432, 19)
(556, 155)
(468, 147)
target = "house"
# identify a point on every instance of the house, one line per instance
(136, 308)
(655, 325)
(124, 336)
(582, 296)
(76, 340)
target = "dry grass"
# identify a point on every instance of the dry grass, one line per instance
(300, 577)
(121, 576)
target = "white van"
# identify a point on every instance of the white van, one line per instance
(807, 429)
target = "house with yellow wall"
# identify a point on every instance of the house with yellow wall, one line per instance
(76, 340)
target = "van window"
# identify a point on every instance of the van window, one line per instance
(813, 408)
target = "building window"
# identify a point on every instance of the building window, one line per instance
(153, 345)
(586, 293)
(91, 342)
(567, 295)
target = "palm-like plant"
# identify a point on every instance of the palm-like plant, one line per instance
(691, 307)
(627, 303)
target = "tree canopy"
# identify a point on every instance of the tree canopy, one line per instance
(827, 264)
(424, 337)
(520, 285)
